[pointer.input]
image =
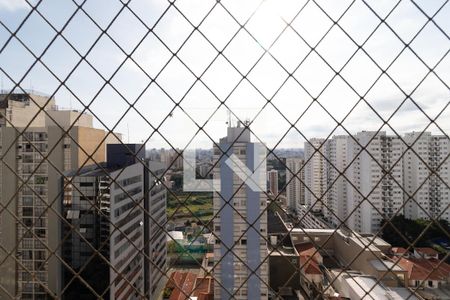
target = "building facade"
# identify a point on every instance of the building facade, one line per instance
(237, 206)
(295, 178)
(364, 174)
(336, 174)
(137, 238)
(430, 196)
(273, 182)
(34, 159)
(314, 174)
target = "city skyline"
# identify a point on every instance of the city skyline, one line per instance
(224, 149)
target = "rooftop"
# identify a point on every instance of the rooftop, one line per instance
(384, 265)
(366, 287)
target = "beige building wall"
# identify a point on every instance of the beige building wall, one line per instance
(67, 118)
(89, 152)
(314, 174)
(21, 110)
(39, 201)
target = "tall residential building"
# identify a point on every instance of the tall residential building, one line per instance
(295, 177)
(431, 196)
(33, 160)
(237, 206)
(376, 175)
(314, 173)
(273, 182)
(357, 188)
(338, 159)
(86, 224)
(137, 238)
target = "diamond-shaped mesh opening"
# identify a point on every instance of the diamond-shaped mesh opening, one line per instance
(224, 149)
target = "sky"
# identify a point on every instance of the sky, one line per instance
(191, 56)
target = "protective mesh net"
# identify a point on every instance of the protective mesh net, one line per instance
(360, 211)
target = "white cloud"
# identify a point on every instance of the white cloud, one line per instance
(13, 5)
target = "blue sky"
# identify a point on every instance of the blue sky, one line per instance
(201, 87)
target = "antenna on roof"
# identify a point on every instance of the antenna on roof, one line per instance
(229, 118)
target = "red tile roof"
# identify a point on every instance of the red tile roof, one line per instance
(427, 251)
(308, 249)
(425, 269)
(399, 250)
(186, 284)
(181, 291)
(204, 288)
(310, 266)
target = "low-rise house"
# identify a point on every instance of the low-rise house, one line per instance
(399, 252)
(425, 273)
(310, 261)
(188, 285)
(426, 252)
(388, 272)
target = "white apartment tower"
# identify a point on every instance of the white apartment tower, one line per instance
(314, 174)
(374, 190)
(378, 168)
(273, 182)
(337, 153)
(295, 189)
(430, 195)
(237, 206)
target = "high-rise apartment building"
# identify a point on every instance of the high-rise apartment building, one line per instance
(33, 160)
(137, 238)
(364, 174)
(430, 195)
(377, 176)
(87, 221)
(369, 176)
(273, 182)
(241, 272)
(295, 178)
(338, 159)
(314, 174)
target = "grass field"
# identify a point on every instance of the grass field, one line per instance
(200, 205)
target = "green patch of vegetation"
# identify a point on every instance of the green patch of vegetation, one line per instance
(412, 230)
(190, 205)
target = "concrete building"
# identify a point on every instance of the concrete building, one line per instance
(34, 160)
(356, 286)
(314, 174)
(337, 153)
(376, 175)
(137, 245)
(237, 206)
(430, 195)
(21, 110)
(362, 175)
(273, 182)
(86, 224)
(295, 177)
(359, 192)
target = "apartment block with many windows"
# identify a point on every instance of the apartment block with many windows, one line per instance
(34, 159)
(426, 170)
(137, 238)
(314, 174)
(241, 271)
(295, 177)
